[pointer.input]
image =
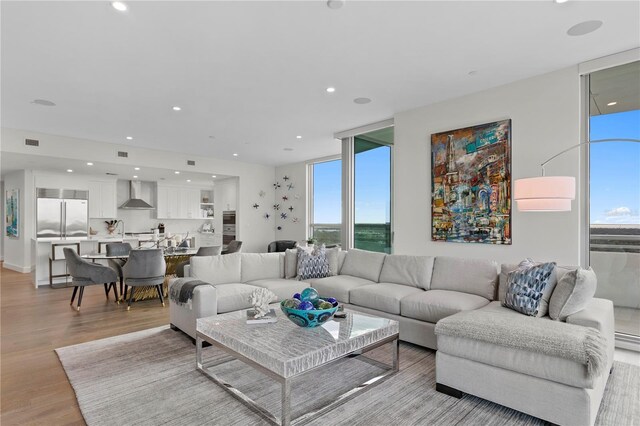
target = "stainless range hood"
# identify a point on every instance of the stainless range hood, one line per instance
(135, 202)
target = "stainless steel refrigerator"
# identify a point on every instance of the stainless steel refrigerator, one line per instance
(62, 213)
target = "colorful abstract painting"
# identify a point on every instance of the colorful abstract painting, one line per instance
(12, 214)
(471, 184)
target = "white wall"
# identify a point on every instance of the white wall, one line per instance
(17, 251)
(545, 120)
(252, 178)
(297, 198)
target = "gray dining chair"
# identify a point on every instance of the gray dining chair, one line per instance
(202, 251)
(144, 268)
(118, 249)
(84, 273)
(279, 246)
(233, 247)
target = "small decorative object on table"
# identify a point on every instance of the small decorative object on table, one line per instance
(111, 226)
(261, 313)
(308, 309)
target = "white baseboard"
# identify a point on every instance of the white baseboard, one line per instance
(631, 343)
(21, 269)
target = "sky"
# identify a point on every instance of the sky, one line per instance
(372, 188)
(615, 169)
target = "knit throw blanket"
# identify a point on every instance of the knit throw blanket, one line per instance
(181, 290)
(584, 345)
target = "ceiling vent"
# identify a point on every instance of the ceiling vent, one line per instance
(32, 142)
(191, 163)
(123, 154)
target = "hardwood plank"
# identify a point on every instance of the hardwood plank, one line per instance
(33, 322)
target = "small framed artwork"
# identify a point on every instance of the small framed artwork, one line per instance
(471, 184)
(12, 214)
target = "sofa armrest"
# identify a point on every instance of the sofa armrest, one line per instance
(599, 315)
(187, 270)
(205, 301)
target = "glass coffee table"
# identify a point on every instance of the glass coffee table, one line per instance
(283, 351)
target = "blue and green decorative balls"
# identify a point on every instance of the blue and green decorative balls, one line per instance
(307, 309)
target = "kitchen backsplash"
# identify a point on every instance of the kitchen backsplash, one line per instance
(143, 221)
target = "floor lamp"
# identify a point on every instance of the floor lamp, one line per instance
(551, 193)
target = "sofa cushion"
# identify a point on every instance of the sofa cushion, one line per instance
(433, 305)
(414, 271)
(473, 276)
(342, 255)
(526, 287)
(234, 296)
(217, 269)
(534, 364)
(363, 264)
(558, 273)
(338, 286)
(282, 288)
(383, 297)
(573, 293)
(260, 266)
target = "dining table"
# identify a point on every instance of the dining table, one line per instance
(172, 257)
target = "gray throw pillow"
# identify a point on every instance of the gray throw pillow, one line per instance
(526, 287)
(290, 263)
(313, 264)
(572, 294)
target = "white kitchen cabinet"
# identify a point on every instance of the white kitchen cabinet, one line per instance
(177, 202)
(102, 200)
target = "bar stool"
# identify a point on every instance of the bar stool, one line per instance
(57, 253)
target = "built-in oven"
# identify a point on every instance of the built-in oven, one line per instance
(228, 227)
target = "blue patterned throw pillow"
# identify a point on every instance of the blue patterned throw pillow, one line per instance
(525, 288)
(313, 264)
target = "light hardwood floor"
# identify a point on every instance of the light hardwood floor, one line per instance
(33, 386)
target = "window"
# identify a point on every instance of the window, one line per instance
(614, 191)
(372, 194)
(325, 202)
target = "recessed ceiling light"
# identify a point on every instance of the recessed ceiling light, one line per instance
(177, 172)
(287, 149)
(43, 102)
(583, 28)
(213, 176)
(362, 101)
(235, 155)
(119, 6)
(69, 171)
(176, 108)
(89, 164)
(335, 4)
(612, 103)
(561, 1)
(331, 89)
(136, 168)
(298, 137)
(188, 180)
(135, 176)
(129, 138)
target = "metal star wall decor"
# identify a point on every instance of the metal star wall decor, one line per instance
(297, 196)
(283, 215)
(286, 178)
(262, 194)
(295, 220)
(290, 186)
(276, 206)
(276, 185)
(256, 205)
(285, 198)
(290, 208)
(266, 216)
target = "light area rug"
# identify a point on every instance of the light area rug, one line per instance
(149, 378)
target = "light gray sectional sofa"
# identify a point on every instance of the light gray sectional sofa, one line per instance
(415, 290)
(418, 292)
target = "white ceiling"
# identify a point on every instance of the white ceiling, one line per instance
(11, 162)
(254, 74)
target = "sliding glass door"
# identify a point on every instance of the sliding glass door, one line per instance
(614, 192)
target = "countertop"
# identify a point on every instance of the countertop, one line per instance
(96, 238)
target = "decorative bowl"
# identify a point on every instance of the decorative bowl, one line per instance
(308, 318)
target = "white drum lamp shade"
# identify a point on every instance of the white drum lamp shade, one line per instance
(545, 193)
